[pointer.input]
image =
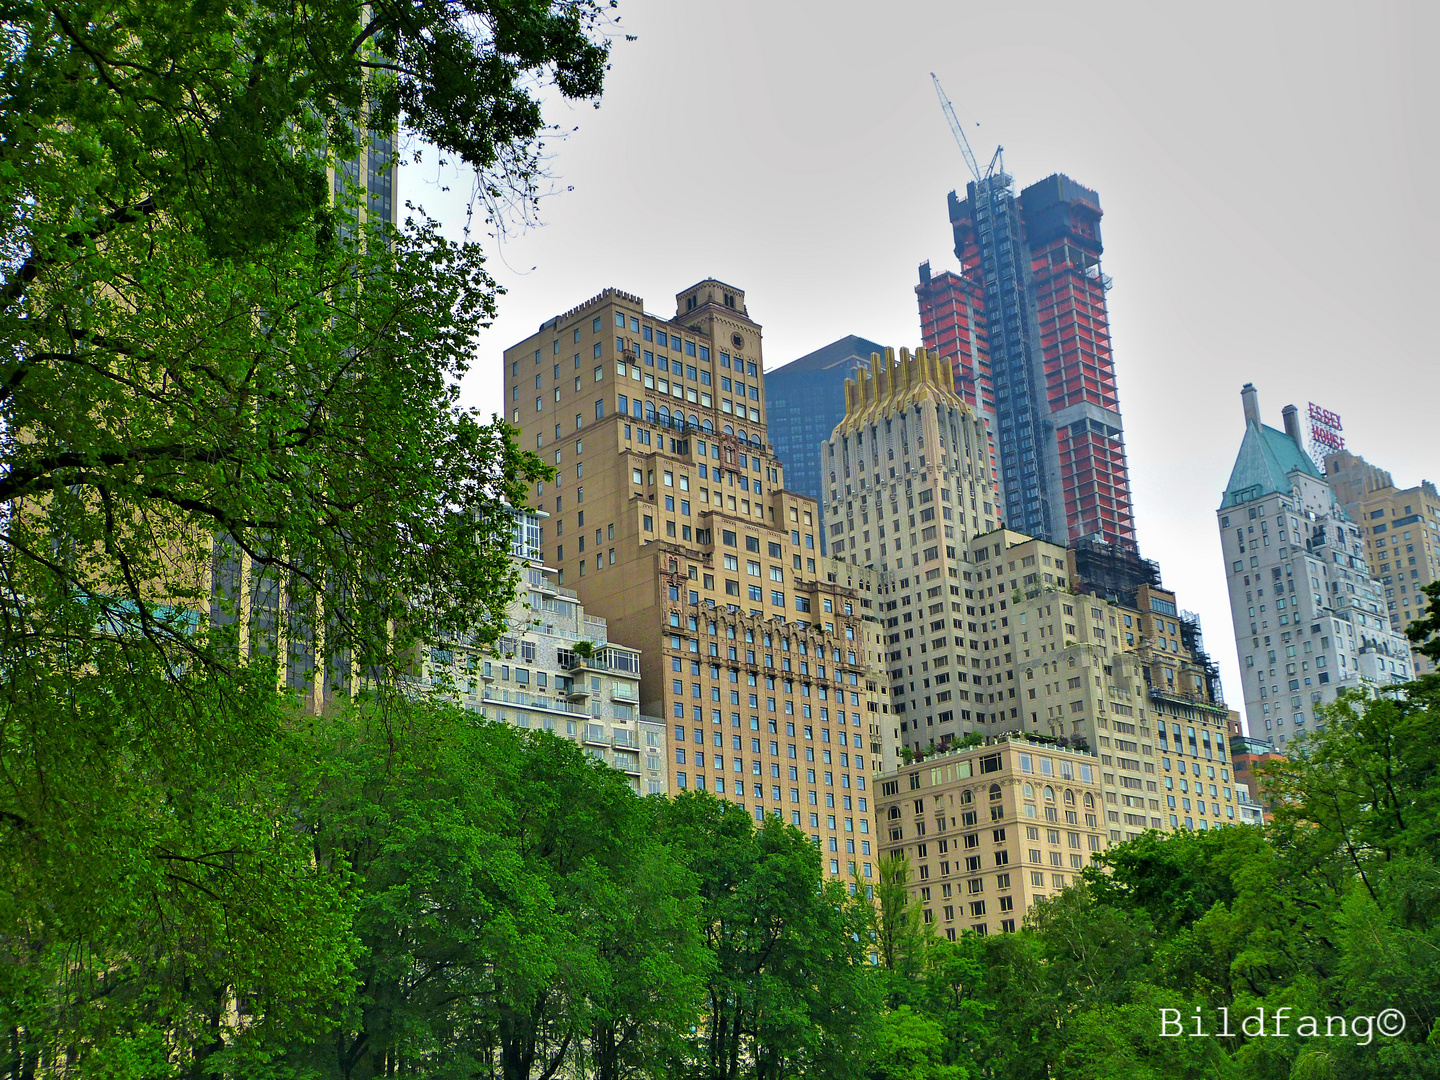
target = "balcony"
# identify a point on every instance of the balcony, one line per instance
(606, 658)
(515, 697)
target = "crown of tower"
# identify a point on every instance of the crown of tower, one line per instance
(891, 386)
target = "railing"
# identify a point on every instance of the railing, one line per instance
(1188, 697)
(515, 697)
(603, 659)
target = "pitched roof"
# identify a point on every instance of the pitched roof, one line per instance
(842, 353)
(1267, 458)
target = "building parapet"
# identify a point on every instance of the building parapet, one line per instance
(1013, 738)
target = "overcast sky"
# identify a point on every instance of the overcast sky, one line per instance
(1266, 172)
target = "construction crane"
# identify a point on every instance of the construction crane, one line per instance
(959, 132)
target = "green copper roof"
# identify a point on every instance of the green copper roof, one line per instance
(1267, 457)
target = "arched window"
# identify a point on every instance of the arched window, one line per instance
(650, 411)
(665, 414)
(742, 436)
(1089, 801)
(694, 420)
(729, 430)
(1049, 793)
(994, 792)
(1069, 798)
(1029, 791)
(707, 427)
(966, 798)
(894, 812)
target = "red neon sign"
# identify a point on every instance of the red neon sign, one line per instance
(1325, 418)
(1325, 429)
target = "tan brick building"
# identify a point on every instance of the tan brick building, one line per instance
(669, 518)
(988, 830)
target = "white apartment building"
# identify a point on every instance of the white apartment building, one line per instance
(1309, 618)
(555, 669)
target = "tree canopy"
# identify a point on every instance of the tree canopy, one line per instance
(232, 465)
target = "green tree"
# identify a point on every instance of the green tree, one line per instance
(906, 1045)
(1024, 1008)
(1123, 1042)
(219, 381)
(953, 990)
(146, 901)
(1425, 631)
(1365, 789)
(516, 913)
(899, 935)
(653, 963)
(791, 989)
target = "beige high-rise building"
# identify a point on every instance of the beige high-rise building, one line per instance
(907, 475)
(1110, 727)
(988, 830)
(1125, 677)
(670, 520)
(1401, 527)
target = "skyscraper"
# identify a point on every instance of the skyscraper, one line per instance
(952, 324)
(1309, 618)
(805, 399)
(670, 520)
(907, 485)
(1030, 296)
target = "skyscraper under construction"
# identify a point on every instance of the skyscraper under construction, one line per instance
(1025, 325)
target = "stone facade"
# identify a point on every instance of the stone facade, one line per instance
(556, 670)
(989, 830)
(909, 482)
(1401, 528)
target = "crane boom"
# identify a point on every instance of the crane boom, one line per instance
(955, 127)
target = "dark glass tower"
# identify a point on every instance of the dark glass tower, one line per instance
(805, 400)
